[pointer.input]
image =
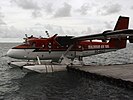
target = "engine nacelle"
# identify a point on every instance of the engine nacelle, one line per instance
(131, 39)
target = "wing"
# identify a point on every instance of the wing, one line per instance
(106, 35)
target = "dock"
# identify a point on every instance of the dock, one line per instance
(120, 75)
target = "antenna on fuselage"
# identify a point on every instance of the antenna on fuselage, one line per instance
(47, 33)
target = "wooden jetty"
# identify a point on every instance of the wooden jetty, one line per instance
(120, 75)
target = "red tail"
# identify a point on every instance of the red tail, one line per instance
(120, 42)
(122, 23)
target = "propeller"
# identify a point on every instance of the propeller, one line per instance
(47, 33)
(25, 38)
(26, 35)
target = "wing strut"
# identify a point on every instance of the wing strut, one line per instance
(63, 58)
(69, 48)
(38, 60)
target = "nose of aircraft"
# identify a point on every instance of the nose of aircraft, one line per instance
(9, 53)
(15, 53)
(19, 53)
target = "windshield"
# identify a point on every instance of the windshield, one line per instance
(64, 40)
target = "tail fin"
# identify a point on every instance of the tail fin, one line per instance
(122, 23)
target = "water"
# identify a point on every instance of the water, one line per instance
(18, 85)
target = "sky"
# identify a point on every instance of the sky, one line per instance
(62, 17)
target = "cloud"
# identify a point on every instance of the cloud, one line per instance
(131, 7)
(2, 22)
(55, 29)
(108, 25)
(48, 8)
(1, 19)
(65, 11)
(26, 4)
(29, 5)
(84, 9)
(9, 32)
(13, 32)
(88, 31)
(36, 13)
(110, 9)
(49, 27)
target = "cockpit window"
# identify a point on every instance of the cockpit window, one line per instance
(64, 40)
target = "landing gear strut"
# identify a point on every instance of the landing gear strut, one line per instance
(80, 60)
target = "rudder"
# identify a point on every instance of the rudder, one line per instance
(122, 23)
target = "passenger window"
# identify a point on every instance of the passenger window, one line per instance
(33, 44)
(49, 45)
(79, 46)
(43, 45)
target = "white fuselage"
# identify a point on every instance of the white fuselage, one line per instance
(29, 54)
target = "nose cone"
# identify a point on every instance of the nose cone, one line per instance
(15, 53)
(10, 53)
(19, 53)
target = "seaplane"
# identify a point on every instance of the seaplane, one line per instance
(55, 53)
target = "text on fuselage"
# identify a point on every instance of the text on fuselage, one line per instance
(97, 46)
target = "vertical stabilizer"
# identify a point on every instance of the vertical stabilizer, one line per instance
(122, 23)
(120, 42)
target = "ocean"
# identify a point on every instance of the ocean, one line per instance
(16, 84)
